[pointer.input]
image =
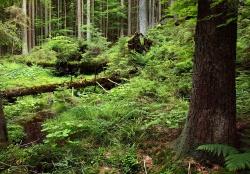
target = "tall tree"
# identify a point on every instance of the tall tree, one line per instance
(88, 19)
(25, 31)
(143, 16)
(79, 19)
(3, 129)
(129, 18)
(212, 111)
(122, 26)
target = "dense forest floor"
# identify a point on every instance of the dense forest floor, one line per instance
(127, 127)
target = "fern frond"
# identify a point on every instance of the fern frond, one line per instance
(236, 162)
(218, 149)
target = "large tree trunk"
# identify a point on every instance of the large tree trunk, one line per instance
(25, 32)
(212, 113)
(143, 16)
(3, 127)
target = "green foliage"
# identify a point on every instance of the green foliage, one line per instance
(15, 133)
(40, 55)
(130, 164)
(65, 47)
(97, 45)
(243, 94)
(218, 149)
(107, 129)
(234, 160)
(8, 35)
(14, 75)
(183, 8)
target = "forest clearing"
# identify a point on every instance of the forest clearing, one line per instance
(125, 87)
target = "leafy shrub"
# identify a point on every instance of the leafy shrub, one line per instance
(130, 164)
(16, 133)
(41, 55)
(66, 47)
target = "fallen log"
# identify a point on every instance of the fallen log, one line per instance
(19, 92)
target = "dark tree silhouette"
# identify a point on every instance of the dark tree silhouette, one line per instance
(3, 129)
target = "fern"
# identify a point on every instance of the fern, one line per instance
(238, 161)
(218, 149)
(234, 160)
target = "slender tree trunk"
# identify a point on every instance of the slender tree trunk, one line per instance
(30, 25)
(3, 127)
(93, 12)
(46, 31)
(107, 19)
(42, 18)
(129, 17)
(88, 20)
(159, 10)
(149, 13)
(50, 17)
(33, 23)
(137, 19)
(79, 21)
(65, 13)
(82, 13)
(212, 113)
(25, 35)
(143, 17)
(153, 13)
(122, 25)
(58, 14)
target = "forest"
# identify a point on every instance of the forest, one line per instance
(124, 86)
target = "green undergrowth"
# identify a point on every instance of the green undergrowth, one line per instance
(15, 75)
(97, 131)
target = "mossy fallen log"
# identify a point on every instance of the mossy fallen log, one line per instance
(107, 83)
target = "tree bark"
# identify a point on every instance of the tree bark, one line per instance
(3, 127)
(122, 26)
(88, 20)
(159, 10)
(129, 17)
(25, 32)
(143, 17)
(46, 16)
(212, 113)
(79, 19)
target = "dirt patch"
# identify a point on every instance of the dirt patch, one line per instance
(159, 138)
(33, 128)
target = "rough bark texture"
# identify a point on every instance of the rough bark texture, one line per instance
(212, 111)
(3, 129)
